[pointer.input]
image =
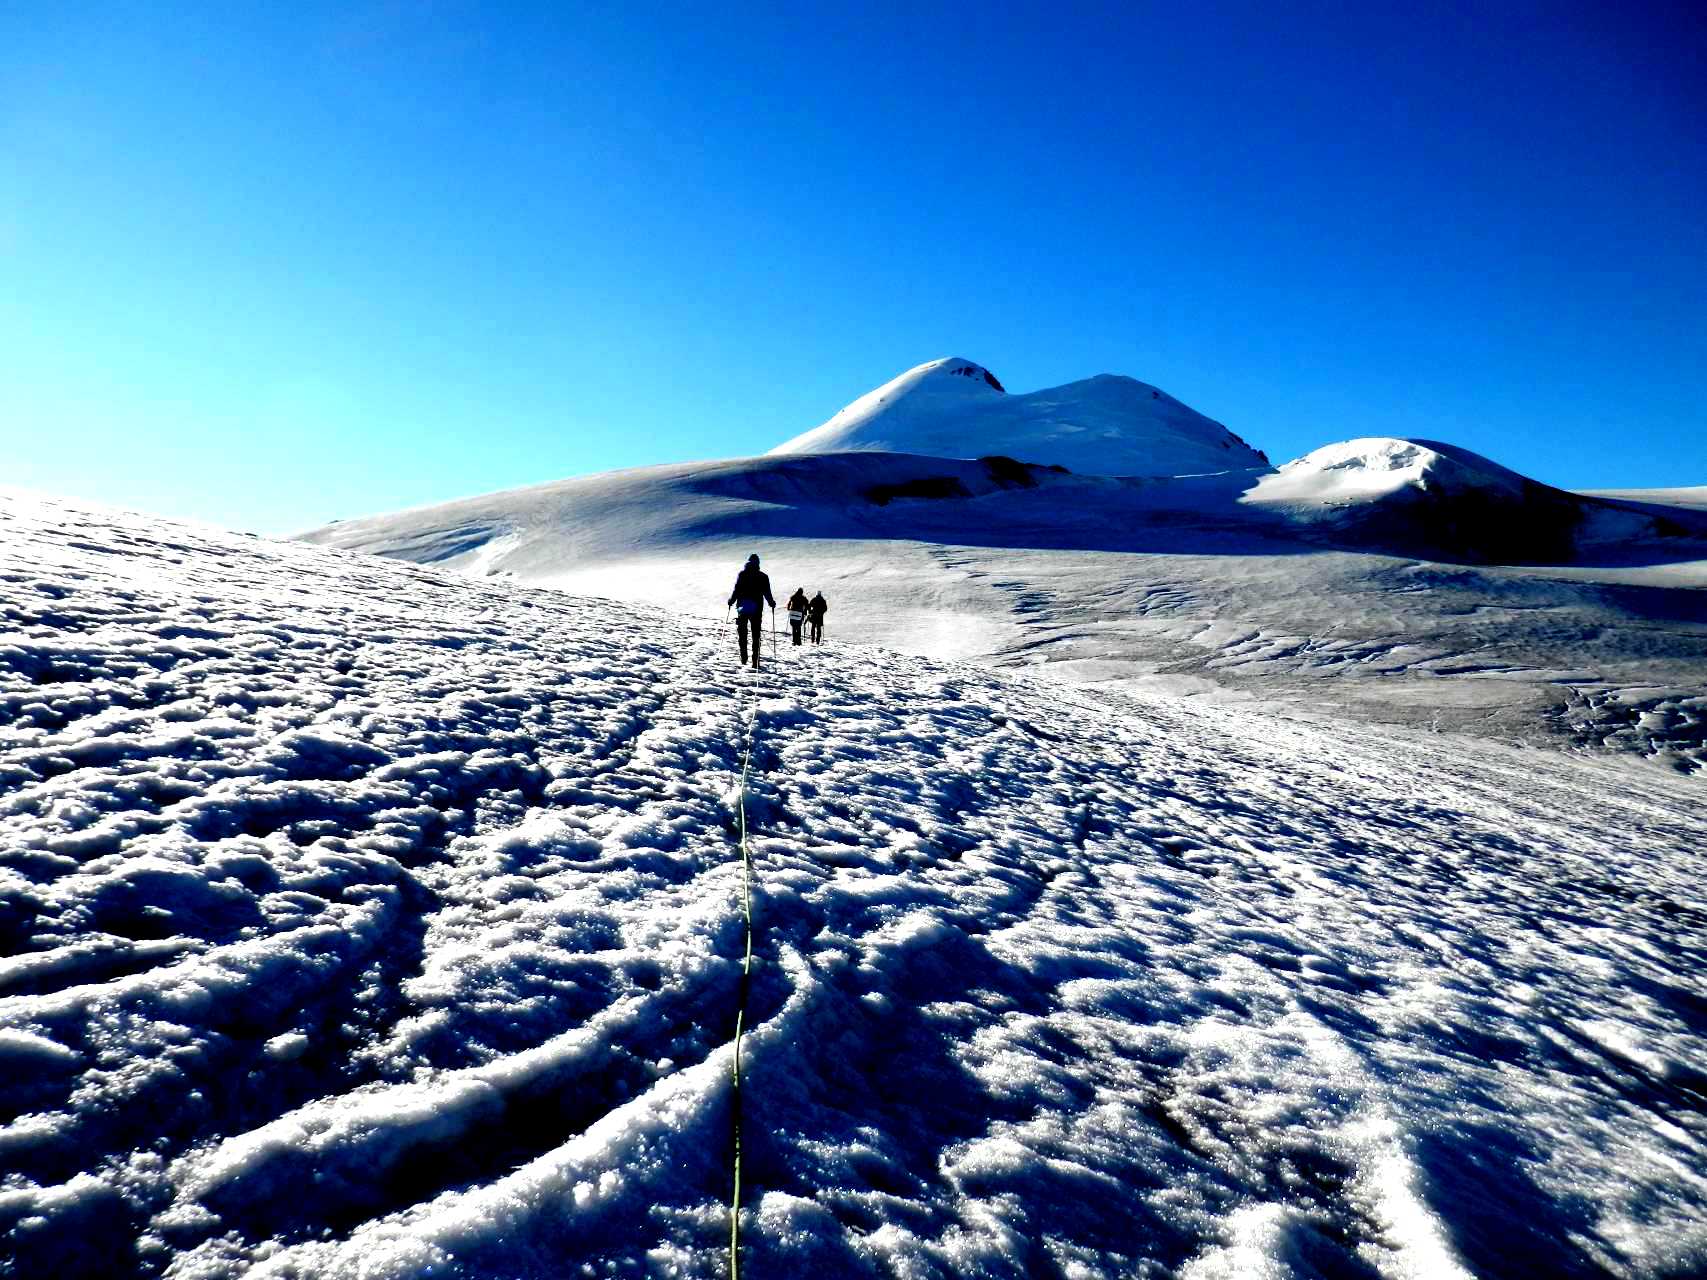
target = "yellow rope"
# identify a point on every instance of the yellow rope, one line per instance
(741, 1010)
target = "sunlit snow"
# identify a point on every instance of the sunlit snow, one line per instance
(1106, 425)
(363, 920)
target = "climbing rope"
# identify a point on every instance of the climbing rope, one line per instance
(741, 1004)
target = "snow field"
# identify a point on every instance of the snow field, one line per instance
(358, 920)
(1170, 584)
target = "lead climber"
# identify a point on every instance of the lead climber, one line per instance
(752, 592)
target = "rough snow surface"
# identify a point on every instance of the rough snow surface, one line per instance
(362, 921)
(1171, 584)
(1107, 425)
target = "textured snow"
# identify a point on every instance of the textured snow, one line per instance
(1107, 425)
(1395, 608)
(363, 920)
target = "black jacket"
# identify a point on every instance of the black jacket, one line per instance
(751, 586)
(818, 607)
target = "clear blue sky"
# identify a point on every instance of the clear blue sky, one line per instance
(268, 264)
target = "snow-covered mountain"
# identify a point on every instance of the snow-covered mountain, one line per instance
(1399, 581)
(1438, 498)
(359, 919)
(1107, 425)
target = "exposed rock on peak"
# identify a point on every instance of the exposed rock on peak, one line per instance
(975, 371)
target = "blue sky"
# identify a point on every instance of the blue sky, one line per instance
(267, 265)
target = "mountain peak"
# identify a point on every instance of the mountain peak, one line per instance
(1104, 425)
(955, 367)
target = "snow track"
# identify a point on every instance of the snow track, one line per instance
(357, 920)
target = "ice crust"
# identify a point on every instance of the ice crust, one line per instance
(360, 920)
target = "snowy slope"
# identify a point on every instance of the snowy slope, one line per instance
(1690, 497)
(364, 920)
(1377, 468)
(1386, 609)
(1107, 425)
(1435, 498)
(1438, 498)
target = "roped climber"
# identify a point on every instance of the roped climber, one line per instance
(797, 607)
(751, 594)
